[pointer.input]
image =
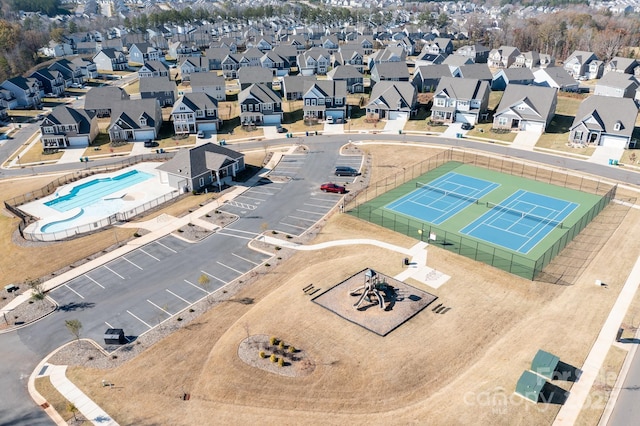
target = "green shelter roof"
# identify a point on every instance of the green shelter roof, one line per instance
(530, 385)
(544, 364)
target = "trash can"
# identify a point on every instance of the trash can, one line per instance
(610, 161)
(307, 133)
(400, 131)
(316, 133)
(406, 261)
(114, 336)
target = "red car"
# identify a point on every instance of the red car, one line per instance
(332, 187)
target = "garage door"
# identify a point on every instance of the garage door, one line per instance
(144, 135)
(533, 127)
(334, 114)
(78, 141)
(271, 119)
(207, 126)
(465, 118)
(394, 115)
(613, 141)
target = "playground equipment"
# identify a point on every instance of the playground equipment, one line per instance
(372, 287)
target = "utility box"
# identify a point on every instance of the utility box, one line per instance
(114, 336)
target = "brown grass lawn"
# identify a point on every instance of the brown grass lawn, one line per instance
(57, 401)
(36, 153)
(494, 100)
(133, 87)
(483, 130)
(631, 157)
(443, 369)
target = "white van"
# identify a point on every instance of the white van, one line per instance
(330, 119)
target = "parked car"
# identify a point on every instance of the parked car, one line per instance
(200, 134)
(346, 171)
(330, 119)
(466, 126)
(332, 187)
(281, 129)
(150, 144)
(76, 85)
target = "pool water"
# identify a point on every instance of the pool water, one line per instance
(90, 192)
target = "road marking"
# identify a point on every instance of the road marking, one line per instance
(303, 218)
(79, 295)
(108, 325)
(181, 298)
(113, 271)
(214, 277)
(240, 230)
(132, 263)
(168, 248)
(262, 193)
(251, 198)
(310, 212)
(150, 255)
(96, 282)
(293, 226)
(233, 235)
(246, 260)
(241, 205)
(319, 205)
(159, 307)
(196, 286)
(139, 319)
(229, 267)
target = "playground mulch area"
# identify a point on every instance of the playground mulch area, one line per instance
(401, 303)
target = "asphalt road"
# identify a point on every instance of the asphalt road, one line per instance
(146, 287)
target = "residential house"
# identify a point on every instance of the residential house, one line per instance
(51, 82)
(529, 108)
(425, 58)
(346, 56)
(135, 120)
(154, 69)
(426, 78)
(556, 77)
(546, 60)
(7, 102)
(194, 112)
(265, 43)
(329, 43)
(110, 60)
(139, 53)
(192, 169)
(389, 54)
(275, 63)
(193, 65)
(407, 44)
(527, 60)
(26, 92)
(216, 55)
(577, 63)
(391, 100)
(621, 65)
(69, 70)
(460, 100)
(180, 49)
(439, 46)
(477, 71)
(349, 74)
(604, 121)
(226, 42)
(389, 71)
(56, 49)
(325, 98)
(160, 88)
(87, 67)
(454, 62)
(288, 53)
(254, 75)
(67, 127)
(293, 86)
(617, 85)
(233, 62)
(260, 105)
(314, 61)
(507, 76)
(209, 83)
(99, 100)
(478, 53)
(503, 57)
(365, 43)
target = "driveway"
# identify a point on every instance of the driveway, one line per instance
(333, 129)
(452, 130)
(271, 132)
(603, 154)
(526, 139)
(394, 126)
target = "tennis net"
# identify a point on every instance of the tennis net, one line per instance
(519, 213)
(447, 193)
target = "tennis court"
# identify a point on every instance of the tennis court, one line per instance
(521, 221)
(442, 198)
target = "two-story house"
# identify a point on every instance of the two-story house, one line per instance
(293, 86)
(503, 57)
(216, 55)
(26, 92)
(426, 78)
(617, 85)
(527, 60)
(209, 83)
(162, 89)
(578, 62)
(621, 65)
(275, 63)
(7, 102)
(110, 60)
(325, 98)
(529, 108)
(391, 100)
(139, 53)
(193, 65)
(389, 54)
(194, 112)
(477, 52)
(254, 75)
(350, 75)
(314, 61)
(346, 56)
(389, 71)
(87, 67)
(439, 46)
(69, 70)
(604, 121)
(460, 100)
(99, 100)
(68, 127)
(51, 82)
(135, 120)
(260, 105)
(330, 43)
(153, 69)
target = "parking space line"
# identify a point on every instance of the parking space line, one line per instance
(229, 267)
(181, 298)
(233, 235)
(132, 263)
(196, 286)
(246, 260)
(150, 255)
(251, 198)
(79, 295)
(214, 277)
(139, 319)
(94, 281)
(293, 226)
(168, 248)
(159, 307)
(310, 212)
(106, 267)
(320, 205)
(303, 218)
(240, 230)
(262, 193)
(108, 325)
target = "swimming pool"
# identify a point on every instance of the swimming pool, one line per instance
(90, 192)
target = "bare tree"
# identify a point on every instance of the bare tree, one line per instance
(74, 326)
(37, 288)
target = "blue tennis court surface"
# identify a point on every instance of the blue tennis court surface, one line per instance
(521, 221)
(442, 198)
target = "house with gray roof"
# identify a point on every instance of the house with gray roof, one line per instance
(110, 60)
(556, 77)
(153, 69)
(460, 100)
(349, 74)
(216, 55)
(477, 71)
(389, 71)
(456, 61)
(51, 82)
(139, 53)
(260, 105)
(325, 98)
(528, 108)
(67, 127)
(478, 53)
(195, 168)
(209, 83)
(314, 61)
(391, 100)
(346, 56)
(99, 100)
(194, 112)
(503, 57)
(621, 65)
(71, 72)
(274, 62)
(527, 60)
(426, 78)
(577, 63)
(439, 45)
(25, 91)
(192, 65)
(604, 121)
(160, 88)
(293, 86)
(254, 75)
(617, 85)
(135, 120)
(87, 67)
(388, 54)
(506, 76)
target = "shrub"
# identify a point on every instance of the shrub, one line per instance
(262, 354)
(273, 340)
(136, 235)
(274, 232)
(292, 349)
(281, 362)
(192, 310)
(289, 236)
(179, 319)
(281, 344)
(273, 358)
(267, 264)
(278, 248)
